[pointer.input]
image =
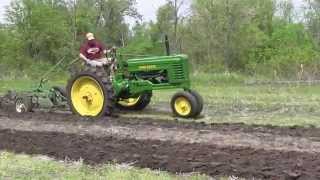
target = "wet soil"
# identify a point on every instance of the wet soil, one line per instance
(264, 152)
(165, 155)
(54, 116)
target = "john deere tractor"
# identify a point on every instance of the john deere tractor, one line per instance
(93, 92)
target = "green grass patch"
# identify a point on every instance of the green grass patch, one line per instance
(26, 84)
(25, 167)
(228, 99)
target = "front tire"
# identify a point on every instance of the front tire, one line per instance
(185, 105)
(200, 101)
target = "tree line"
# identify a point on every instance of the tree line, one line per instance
(256, 37)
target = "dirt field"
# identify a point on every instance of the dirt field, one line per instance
(264, 152)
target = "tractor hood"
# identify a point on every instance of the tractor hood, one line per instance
(158, 63)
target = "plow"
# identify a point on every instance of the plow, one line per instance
(123, 84)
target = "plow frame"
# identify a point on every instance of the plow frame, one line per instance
(31, 99)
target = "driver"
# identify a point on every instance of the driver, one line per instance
(93, 52)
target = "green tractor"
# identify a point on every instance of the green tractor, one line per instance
(93, 92)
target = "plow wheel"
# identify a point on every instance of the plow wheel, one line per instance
(59, 95)
(23, 104)
(135, 103)
(187, 104)
(90, 93)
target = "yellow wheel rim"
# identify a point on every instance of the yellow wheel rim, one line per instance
(182, 106)
(129, 102)
(87, 96)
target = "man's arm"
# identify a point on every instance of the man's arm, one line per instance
(83, 57)
(82, 52)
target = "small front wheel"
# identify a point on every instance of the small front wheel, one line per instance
(184, 104)
(199, 99)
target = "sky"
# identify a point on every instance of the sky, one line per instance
(3, 3)
(147, 8)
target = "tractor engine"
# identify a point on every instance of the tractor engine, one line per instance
(159, 72)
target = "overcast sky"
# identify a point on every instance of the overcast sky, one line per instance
(146, 7)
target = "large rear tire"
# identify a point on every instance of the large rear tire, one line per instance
(90, 93)
(135, 103)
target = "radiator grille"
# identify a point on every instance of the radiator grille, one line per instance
(178, 72)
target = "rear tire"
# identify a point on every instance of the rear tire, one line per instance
(98, 77)
(184, 104)
(141, 103)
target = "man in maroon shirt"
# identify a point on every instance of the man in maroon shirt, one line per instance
(93, 52)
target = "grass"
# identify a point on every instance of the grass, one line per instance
(24, 84)
(25, 167)
(228, 99)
